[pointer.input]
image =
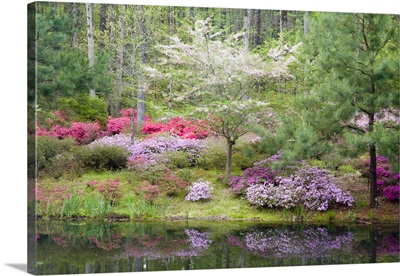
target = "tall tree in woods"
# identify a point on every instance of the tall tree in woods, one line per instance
(90, 39)
(142, 85)
(356, 75)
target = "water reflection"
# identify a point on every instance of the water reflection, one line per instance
(64, 248)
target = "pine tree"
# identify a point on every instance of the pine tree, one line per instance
(356, 73)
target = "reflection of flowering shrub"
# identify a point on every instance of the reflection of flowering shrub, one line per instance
(199, 190)
(388, 246)
(198, 240)
(312, 243)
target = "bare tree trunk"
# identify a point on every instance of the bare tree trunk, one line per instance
(171, 22)
(257, 24)
(120, 63)
(306, 21)
(142, 86)
(246, 27)
(229, 157)
(282, 23)
(103, 22)
(89, 13)
(75, 14)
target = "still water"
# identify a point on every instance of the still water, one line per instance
(90, 247)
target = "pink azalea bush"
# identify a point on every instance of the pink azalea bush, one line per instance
(186, 129)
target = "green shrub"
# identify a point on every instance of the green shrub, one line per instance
(101, 158)
(48, 148)
(177, 159)
(85, 109)
(214, 156)
(66, 165)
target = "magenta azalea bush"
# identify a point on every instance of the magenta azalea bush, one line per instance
(199, 190)
(392, 193)
(258, 174)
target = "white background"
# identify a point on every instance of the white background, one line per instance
(13, 194)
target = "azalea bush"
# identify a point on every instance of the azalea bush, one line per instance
(82, 133)
(187, 129)
(255, 175)
(109, 188)
(199, 190)
(392, 193)
(312, 188)
(102, 157)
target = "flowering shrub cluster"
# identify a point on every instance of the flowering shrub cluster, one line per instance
(311, 243)
(146, 153)
(122, 124)
(199, 190)
(258, 174)
(149, 191)
(183, 128)
(392, 193)
(198, 240)
(311, 187)
(388, 182)
(108, 188)
(82, 133)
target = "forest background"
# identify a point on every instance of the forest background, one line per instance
(13, 114)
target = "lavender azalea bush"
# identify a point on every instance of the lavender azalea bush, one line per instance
(312, 187)
(199, 190)
(150, 149)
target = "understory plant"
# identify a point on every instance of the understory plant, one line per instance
(199, 190)
(310, 187)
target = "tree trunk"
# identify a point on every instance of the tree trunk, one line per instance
(306, 21)
(171, 27)
(372, 170)
(257, 24)
(142, 86)
(89, 18)
(282, 23)
(372, 166)
(120, 63)
(229, 157)
(103, 22)
(74, 14)
(246, 27)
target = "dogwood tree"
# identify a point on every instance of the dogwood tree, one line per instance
(219, 77)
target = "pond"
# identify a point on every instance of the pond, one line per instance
(90, 247)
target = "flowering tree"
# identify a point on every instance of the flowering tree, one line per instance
(221, 77)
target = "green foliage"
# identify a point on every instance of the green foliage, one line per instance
(48, 148)
(214, 156)
(95, 206)
(177, 159)
(102, 158)
(71, 206)
(138, 207)
(85, 108)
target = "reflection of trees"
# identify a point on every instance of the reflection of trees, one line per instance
(93, 248)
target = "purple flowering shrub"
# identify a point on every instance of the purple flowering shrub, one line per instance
(199, 190)
(256, 175)
(151, 149)
(392, 193)
(311, 187)
(388, 181)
